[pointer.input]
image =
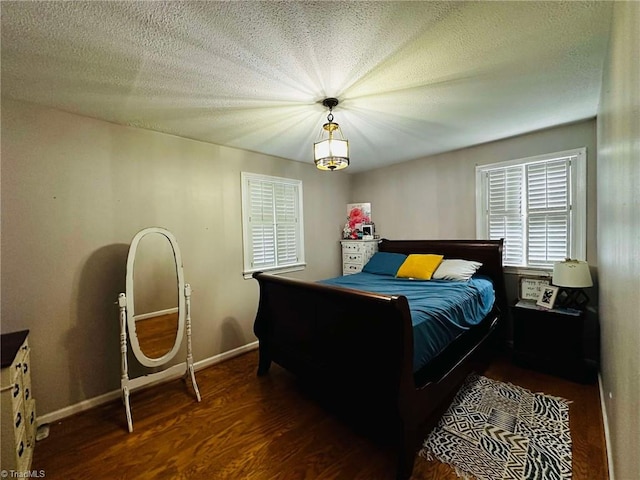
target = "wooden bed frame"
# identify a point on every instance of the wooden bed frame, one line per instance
(356, 347)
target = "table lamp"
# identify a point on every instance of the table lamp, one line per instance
(572, 276)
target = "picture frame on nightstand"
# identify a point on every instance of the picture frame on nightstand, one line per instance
(531, 287)
(547, 296)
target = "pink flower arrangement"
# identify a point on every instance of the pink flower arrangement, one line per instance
(352, 229)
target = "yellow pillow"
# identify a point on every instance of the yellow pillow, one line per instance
(419, 266)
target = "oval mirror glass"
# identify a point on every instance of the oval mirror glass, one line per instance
(155, 306)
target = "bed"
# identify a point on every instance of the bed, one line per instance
(356, 347)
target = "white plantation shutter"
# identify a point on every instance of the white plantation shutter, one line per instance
(272, 223)
(538, 205)
(286, 224)
(261, 224)
(505, 212)
(549, 211)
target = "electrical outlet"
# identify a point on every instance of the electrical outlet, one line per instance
(42, 432)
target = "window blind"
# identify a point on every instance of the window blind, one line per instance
(505, 212)
(273, 231)
(548, 211)
(529, 204)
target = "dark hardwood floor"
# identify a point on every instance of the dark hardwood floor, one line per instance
(265, 428)
(156, 335)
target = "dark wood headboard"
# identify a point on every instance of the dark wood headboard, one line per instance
(487, 252)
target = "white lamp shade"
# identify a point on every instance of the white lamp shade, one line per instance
(331, 154)
(572, 274)
(331, 148)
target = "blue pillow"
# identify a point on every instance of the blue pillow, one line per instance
(385, 263)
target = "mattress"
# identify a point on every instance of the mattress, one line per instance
(441, 310)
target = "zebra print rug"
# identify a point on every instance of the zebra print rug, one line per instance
(494, 430)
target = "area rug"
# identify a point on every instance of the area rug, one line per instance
(495, 430)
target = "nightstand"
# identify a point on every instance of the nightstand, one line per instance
(552, 341)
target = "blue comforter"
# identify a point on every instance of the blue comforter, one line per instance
(440, 309)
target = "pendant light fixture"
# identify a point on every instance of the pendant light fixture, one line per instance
(331, 153)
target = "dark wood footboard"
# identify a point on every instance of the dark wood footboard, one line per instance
(357, 346)
(352, 339)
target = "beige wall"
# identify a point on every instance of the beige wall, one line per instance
(74, 193)
(434, 197)
(619, 238)
(154, 276)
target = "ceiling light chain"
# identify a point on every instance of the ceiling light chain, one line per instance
(330, 116)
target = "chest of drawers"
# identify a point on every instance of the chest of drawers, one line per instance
(356, 253)
(17, 406)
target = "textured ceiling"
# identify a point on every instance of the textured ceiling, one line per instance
(413, 78)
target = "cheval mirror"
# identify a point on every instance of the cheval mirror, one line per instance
(155, 311)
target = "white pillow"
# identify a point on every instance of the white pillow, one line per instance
(460, 270)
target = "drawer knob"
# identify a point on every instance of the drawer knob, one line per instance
(18, 419)
(16, 390)
(21, 449)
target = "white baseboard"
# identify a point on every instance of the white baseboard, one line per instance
(171, 373)
(159, 313)
(605, 423)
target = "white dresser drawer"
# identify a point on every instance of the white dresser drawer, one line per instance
(16, 395)
(351, 247)
(19, 416)
(349, 268)
(352, 258)
(15, 370)
(26, 375)
(30, 422)
(24, 452)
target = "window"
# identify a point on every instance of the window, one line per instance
(537, 204)
(272, 228)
